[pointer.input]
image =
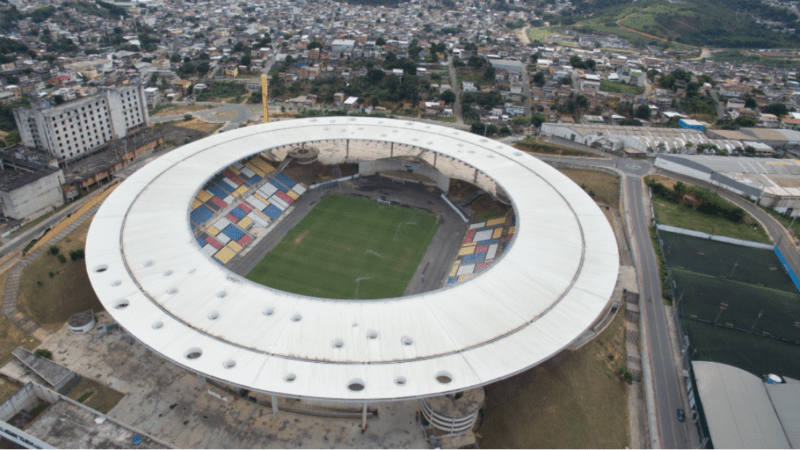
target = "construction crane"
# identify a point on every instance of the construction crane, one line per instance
(265, 96)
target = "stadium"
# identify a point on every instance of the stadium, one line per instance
(163, 262)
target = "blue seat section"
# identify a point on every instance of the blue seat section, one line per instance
(272, 211)
(452, 280)
(201, 241)
(255, 179)
(216, 190)
(488, 242)
(238, 213)
(475, 257)
(200, 215)
(285, 180)
(233, 232)
(280, 187)
(225, 187)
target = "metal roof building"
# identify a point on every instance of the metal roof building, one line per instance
(744, 412)
(547, 289)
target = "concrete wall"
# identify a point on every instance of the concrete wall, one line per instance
(34, 199)
(24, 399)
(367, 168)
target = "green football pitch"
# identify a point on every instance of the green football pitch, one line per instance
(348, 243)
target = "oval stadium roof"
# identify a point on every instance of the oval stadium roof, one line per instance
(545, 291)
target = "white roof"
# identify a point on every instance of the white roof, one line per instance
(351, 100)
(543, 293)
(738, 409)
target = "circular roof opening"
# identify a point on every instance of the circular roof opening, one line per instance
(157, 325)
(338, 343)
(372, 334)
(290, 377)
(193, 353)
(269, 311)
(400, 381)
(213, 315)
(229, 364)
(101, 268)
(221, 294)
(444, 377)
(356, 385)
(122, 303)
(407, 341)
(297, 318)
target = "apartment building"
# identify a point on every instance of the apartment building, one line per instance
(77, 127)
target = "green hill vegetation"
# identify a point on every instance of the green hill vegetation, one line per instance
(699, 23)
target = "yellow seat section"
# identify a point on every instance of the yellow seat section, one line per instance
(497, 233)
(212, 231)
(225, 255)
(292, 194)
(245, 223)
(512, 230)
(255, 169)
(196, 203)
(465, 277)
(234, 170)
(262, 164)
(259, 197)
(234, 246)
(454, 271)
(493, 222)
(204, 196)
(240, 191)
(466, 251)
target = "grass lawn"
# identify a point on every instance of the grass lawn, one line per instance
(685, 217)
(608, 86)
(345, 238)
(67, 292)
(95, 395)
(605, 185)
(575, 400)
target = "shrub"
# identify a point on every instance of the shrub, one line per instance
(43, 353)
(51, 274)
(38, 282)
(76, 254)
(85, 395)
(29, 245)
(61, 258)
(53, 250)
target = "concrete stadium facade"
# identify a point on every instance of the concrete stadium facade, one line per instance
(549, 287)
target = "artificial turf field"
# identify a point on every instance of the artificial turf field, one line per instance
(343, 239)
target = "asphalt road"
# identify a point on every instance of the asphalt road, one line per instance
(669, 395)
(456, 90)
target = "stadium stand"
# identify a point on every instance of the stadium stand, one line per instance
(482, 244)
(262, 200)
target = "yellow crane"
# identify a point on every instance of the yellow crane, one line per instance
(265, 96)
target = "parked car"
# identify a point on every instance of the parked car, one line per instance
(681, 415)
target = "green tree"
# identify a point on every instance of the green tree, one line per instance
(643, 112)
(778, 109)
(380, 41)
(448, 96)
(176, 58)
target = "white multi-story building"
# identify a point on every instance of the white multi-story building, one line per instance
(77, 127)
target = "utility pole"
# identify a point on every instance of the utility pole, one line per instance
(722, 307)
(754, 323)
(734, 268)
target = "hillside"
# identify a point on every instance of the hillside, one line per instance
(700, 23)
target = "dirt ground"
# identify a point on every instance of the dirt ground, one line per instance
(180, 109)
(605, 185)
(199, 125)
(575, 400)
(100, 397)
